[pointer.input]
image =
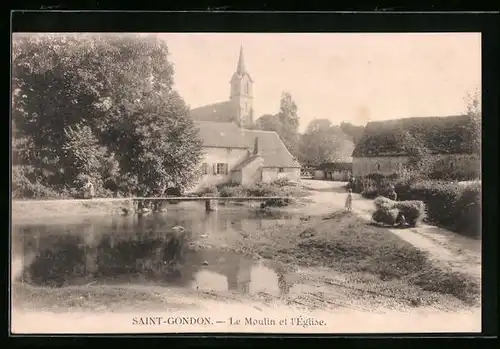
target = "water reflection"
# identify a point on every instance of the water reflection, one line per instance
(145, 250)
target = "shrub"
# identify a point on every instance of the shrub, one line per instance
(382, 202)
(370, 193)
(261, 189)
(283, 182)
(450, 205)
(209, 190)
(232, 191)
(440, 197)
(413, 210)
(385, 215)
(468, 211)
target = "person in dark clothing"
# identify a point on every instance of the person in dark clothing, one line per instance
(401, 220)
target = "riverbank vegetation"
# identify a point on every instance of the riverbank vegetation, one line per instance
(110, 115)
(281, 187)
(347, 244)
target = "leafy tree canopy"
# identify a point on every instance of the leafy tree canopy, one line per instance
(323, 142)
(100, 106)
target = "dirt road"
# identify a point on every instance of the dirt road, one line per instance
(445, 247)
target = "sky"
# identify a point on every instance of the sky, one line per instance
(338, 76)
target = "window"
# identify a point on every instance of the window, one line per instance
(451, 165)
(204, 168)
(221, 169)
(247, 85)
(378, 167)
(281, 169)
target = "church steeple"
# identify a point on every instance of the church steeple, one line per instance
(241, 63)
(242, 94)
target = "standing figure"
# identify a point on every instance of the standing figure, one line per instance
(348, 201)
(392, 194)
(89, 190)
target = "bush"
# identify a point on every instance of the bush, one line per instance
(26, 184)
(440, 197)
(451, 205)
(386, 216)
(283, 182)
(467, 210)
(413, 210)
(232, 191)
(261, 189)
(208, 191)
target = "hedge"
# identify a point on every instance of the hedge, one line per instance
(450, 205)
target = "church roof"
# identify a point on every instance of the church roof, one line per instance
(240, 68)
(229, 135)
(441, 135)
(218, 112)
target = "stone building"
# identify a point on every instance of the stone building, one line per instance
(233, 152)
(449, 140)
(336, 171)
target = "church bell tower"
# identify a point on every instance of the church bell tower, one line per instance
(241, 94)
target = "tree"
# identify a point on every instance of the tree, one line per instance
(112, 86)
(323, 142)
(285, 123)
(82, 158)
(355, 132)
(473, 109)
(268, 122)
(420, 160)
(159, 145)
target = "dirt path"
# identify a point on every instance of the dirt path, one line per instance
(445, 247)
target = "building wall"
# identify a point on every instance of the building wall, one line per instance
(363, 166)
(241, 100)
(252, 173)
(338, 175)
(462, 162)
(318, 174)
(212, 156)
(270, 174)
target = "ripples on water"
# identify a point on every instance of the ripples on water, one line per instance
(142, 250)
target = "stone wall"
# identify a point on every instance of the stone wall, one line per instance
(270, 174)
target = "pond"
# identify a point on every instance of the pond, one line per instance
(125, 250)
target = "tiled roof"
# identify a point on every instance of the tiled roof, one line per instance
(218, 112)
(441, 135)
(229, 135)
(245, 162)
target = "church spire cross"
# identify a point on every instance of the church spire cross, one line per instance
(241, 63)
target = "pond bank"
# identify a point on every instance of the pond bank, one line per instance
(31, 210)
(27, 210)
(340, 265)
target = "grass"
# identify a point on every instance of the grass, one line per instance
(345, 243)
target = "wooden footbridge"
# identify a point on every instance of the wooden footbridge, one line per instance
(209, 200)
